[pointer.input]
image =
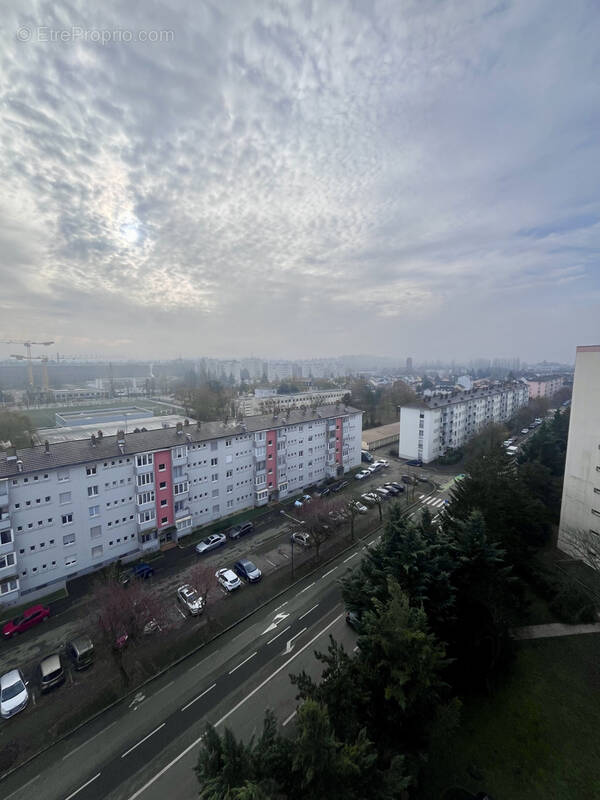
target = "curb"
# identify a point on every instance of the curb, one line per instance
(183, 658)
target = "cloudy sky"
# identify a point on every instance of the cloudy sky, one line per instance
(296, 179)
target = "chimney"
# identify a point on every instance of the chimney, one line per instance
(19, 465)
(179, 428)
(100, 435)
(120, 438)
(47, 447)
(93, 440)
(186, 422)
(188, 436)
(11, 454)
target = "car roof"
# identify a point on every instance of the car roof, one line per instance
(50, 663)
(226, 572)
(245, 561)
(9, 678)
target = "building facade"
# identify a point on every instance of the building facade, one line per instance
(579, 531)
(267, 400)
(73, 507)
(544, 386)
(434, 425)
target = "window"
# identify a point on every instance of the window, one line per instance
(177, 472)
(67, 519)
(9, 586)
(143, 460)
(144, 479)
(227, 442)
(6, 537)
(162, 485)
(64, 497)
(215, 492)
(164, 520)
(97, 551)
(164, 503)
(214, 461)
(162, 467)
(229, 473)
(68, 539)
(145, 497)
(70, 561)
(92, 491)
(180, 452)
(214, 445)
(90, 470)
(7, 561)
(215, 509)
(146, 516)
(214, 477)
(96, 531)
(63, 475)
(94, 511)
(230, 489)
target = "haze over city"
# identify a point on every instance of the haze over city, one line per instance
(301, 180)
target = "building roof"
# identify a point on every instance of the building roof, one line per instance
(68, 433)
(81, 451)
(382, 432)
(462, 397)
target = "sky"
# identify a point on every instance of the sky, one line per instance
(301, 179)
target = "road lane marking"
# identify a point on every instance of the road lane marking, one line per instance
(82, 787)
(191, 703)
(272, 563)
(306, 588)
(70, 753)
(372, 542)
(163, 688)
(279, 634)
(231, 711)
(349, 557)
(290, 718)
(307, 612)
(231, 671)
(328, 573)
(282, 605)
(24, 786)
(141, 741)
(289, 646)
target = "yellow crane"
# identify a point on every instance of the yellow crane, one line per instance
(29, 359)
(27, 344)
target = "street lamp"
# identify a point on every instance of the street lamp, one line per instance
(296, 522)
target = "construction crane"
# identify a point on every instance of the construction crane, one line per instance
(44, 360)
(27, 344)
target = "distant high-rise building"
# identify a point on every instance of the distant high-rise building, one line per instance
(579, 531)
(409, 364)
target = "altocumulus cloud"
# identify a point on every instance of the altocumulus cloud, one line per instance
(302, 177)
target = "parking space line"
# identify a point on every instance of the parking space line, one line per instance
(231, 671)
(82, 787)
(306, 613)
(268, 560)
(191, 703)
(279, 634)
(141, 741)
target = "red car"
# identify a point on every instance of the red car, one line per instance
(27, 620)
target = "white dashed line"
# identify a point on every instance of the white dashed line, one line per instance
(290, 718)
(82, 787)
(282, 605)
(329, 573)
(306, 588)
(307, 612)
(70, 753)
(191, 703)
(279, 634)
(268, 560)
(231, 671)
(349, 557)
(141, 741)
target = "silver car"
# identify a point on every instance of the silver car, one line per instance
(13, 693)
(228, 579)
(211, 542)
(190, 599)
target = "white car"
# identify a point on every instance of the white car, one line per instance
(190, 598)
(228, 579)
(368, 499)
(301, 538)
(524, 431)
(306, 498)
(358, 507)
(13, 693)
(382, 462)
(362, 474)
(212, 541)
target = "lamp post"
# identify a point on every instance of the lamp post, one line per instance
(296, 522)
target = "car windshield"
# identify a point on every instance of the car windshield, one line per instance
(191, 597)
(12, 691)
(249, 566)
(206, 541)
(18, 620)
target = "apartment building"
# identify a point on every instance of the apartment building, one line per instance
(266, 400)
(579, 531)
(433, 425)
(75, 506)
(544, 386)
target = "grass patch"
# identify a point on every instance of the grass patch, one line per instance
(14, 611)
(535, 736)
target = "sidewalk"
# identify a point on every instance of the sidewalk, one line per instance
(554, 629)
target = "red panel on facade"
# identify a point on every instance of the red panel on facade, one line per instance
(338, 440)
(162, 474)
(272, 460)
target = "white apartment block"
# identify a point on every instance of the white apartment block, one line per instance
(544, 386)
(579, 531)
(73, 507)
(434, 425)
(267, 400)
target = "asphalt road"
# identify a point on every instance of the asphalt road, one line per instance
(146, 745)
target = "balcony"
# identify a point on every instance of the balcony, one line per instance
(184, 512)
(147, 525)
(4, 523)
(9, 571)
(181, 489)
(3, 492)
(144, 506)
(8, 547)
(179, 459)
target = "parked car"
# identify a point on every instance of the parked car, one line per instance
(366, 456)
(391, 489)
(406, 479)
(396, 485)
(241, 530)
(357, 506)
(211, 542)
(81, 651)
(524, 431)
(382, 462)
(51, 672)
(324, 492)
(339, 486)
(338, 516)
(248, 570)
(190, 599)
(301, 538)
(383, 492)
(373, 468)
(140, 571)
(353, 619)
(415, 462)
(368, 499)
(306, 498)
(151, 627)
(362, 474)
(228, 579)
(27, 620)
(13, 693)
